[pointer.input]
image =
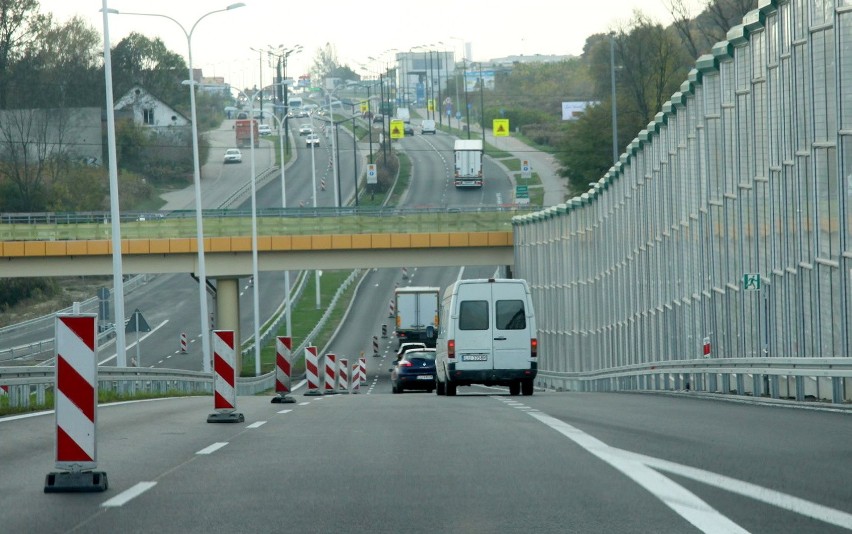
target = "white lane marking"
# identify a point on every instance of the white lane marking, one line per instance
(285, 411)
(304, 403)
(257, 424)
(682, 501)
(212, 448)
(141, 339)
(122, 498)
(747, 489)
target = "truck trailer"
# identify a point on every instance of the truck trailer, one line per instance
(416, 309)
(468, 157)
(243, 129)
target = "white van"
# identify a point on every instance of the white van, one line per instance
(427, 126)
(487, 336)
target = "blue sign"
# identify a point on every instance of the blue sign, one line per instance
(458, 115)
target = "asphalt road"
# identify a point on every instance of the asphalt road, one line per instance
(479, 462)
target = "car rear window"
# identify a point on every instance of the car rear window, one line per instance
(473, 315)
(511, 315)
(419, 355)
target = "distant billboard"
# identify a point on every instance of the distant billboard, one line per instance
(473, 79)
(572, 110)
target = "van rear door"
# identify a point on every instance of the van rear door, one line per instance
(511, 330)
(473, 335)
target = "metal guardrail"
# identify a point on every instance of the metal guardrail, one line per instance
(25, 385)
(800, 379)
(258, 384)
(43, 346)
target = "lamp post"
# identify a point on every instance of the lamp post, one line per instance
(254, 260)
(202, 273)
(117, 275)
(282, 54)
(283, 122)
(614, 112)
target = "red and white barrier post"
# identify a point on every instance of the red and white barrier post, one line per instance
(76, 406)
(391, 309)
(330, 374)
(356, 381)
(224, 379)
(362, 368)
(343, 382)
(375, 346)
(283, 362)
(183, 342)
(312, 371)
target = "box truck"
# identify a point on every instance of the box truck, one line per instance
(416, 309)
(468, 156)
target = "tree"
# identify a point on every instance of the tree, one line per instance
(699, 34)
(60, 68)
(139, 60)
(16, 19)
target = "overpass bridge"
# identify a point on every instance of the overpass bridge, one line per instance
(288, 239)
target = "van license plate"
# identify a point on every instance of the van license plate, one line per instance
(474, 357)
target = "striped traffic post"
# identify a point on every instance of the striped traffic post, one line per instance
(375, 346)
(283, 361)
(183, 342)
(312, 371)
(343, 382)
(330, 380)
(76, 343)
(224, 379)
(356, 381)
(362, 368)
(391, 309)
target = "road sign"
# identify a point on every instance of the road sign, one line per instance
(526, 169)
(397, 129)
(522, 194)
(137, 323)
(500, 127)
(372, 175)
(314, 89)
(364, 106)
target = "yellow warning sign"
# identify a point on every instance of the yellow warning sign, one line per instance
(430, 105)
(397, 129)
(500, 127)
(365, 107)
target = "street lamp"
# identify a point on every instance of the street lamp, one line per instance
(202, 272)
(282, 54)
(283, 122)
(117, 275)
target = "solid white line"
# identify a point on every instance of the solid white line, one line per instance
(212, 448)
(747, 489)
(141, 339)
(258, 424)
(682, 501)
(122, 498)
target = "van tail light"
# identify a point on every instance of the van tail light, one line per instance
(533, 347)
(451, 348)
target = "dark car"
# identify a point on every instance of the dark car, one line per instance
(416, 370)
(408, 129)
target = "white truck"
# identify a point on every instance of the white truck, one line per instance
(468, 156)
(416, 309)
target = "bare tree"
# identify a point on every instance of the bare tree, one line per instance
(16, 17)
(710, 25)
(32, 146)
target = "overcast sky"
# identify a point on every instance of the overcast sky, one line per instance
(222, 43)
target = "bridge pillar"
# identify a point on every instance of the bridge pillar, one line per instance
(228, 312)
